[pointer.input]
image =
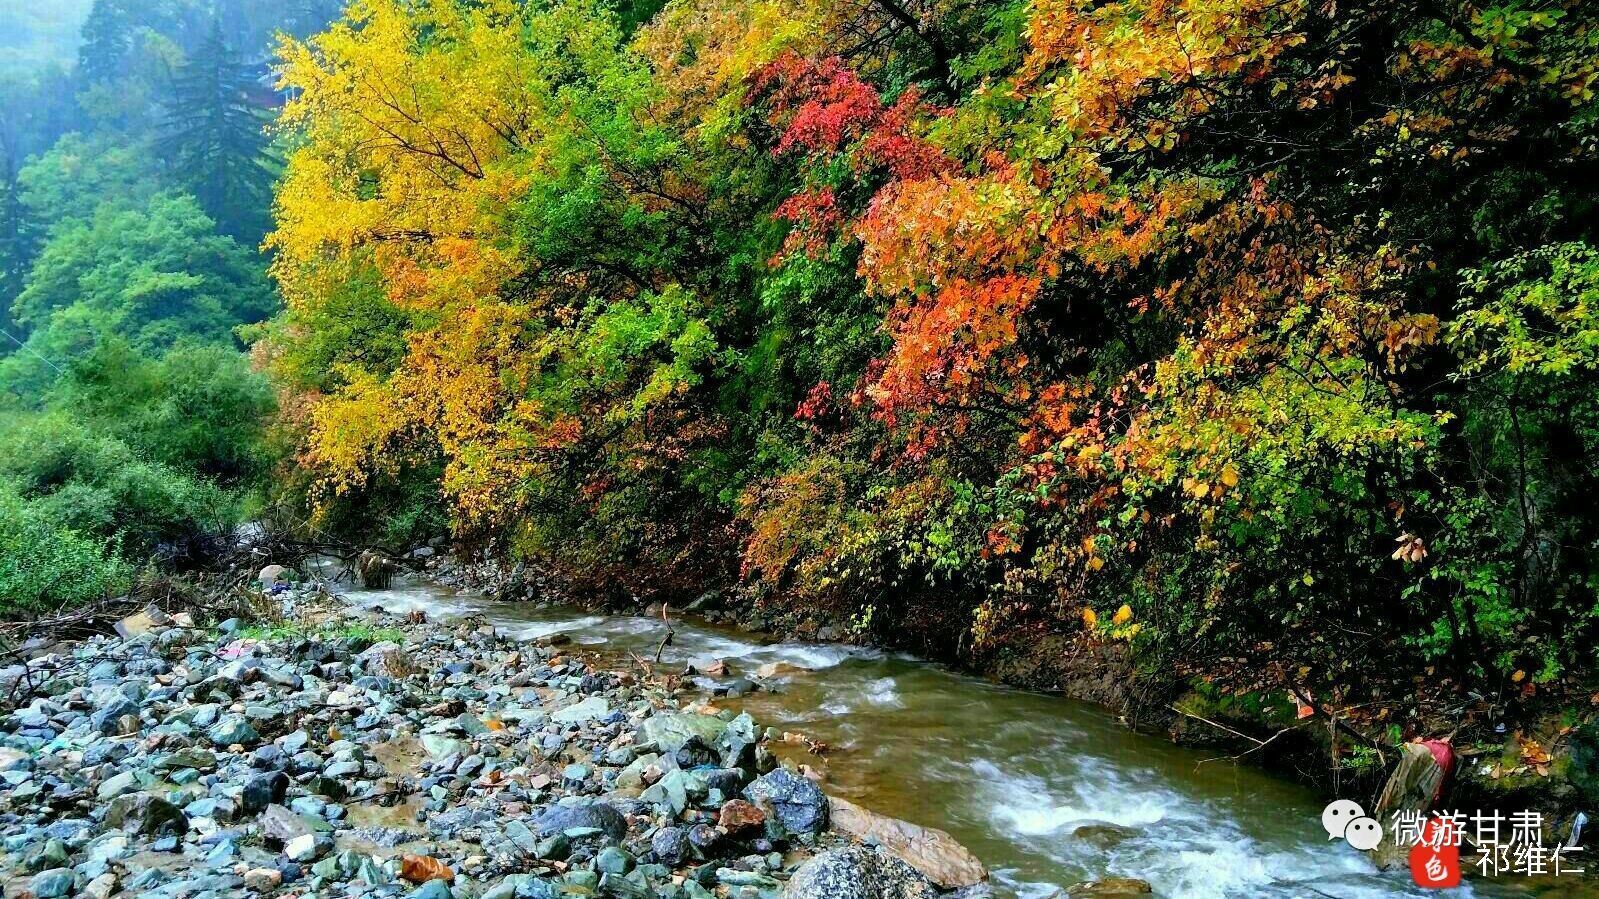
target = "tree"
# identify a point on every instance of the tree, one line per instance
(154, 274)
(214, 136)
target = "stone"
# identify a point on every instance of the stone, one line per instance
(107, 719)
(307, 847)
(143, 622)
(279, 825)
(671, 846)
(116, 785)
(101, 887)
(858, 872)
(598, 816)
(263, 790)
(52, 884)
(590, 709)
(1104, 835)
(632, 776)
(263, 880)
(613, 860)
(1108, 888)
(433, 889)
(933, 852)
(670, 730)
(146, 814)
(796, 802)
(231, 730)
(272, 575)
(439, 746)
(670, 792)
(739, 817)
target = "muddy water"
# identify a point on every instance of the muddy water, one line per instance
(1010, 774)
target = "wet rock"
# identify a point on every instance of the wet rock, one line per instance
(1104, 835)
(933, 852)
(794, 801)
(1107, 888)
(375, 570)
(858, 872)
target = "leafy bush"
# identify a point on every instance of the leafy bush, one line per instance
(44, 566)
(98, 485)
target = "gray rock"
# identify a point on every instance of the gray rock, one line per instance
(671, 846)
(858, 872)
(670, 730)
(279, 825)
(797, 803)
(590, 709)
(307, 847)
(596, 815)
(107, 718)
(146, 814)
(233, 729)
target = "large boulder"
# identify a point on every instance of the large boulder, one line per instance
(670, 730)
(858, 872)
(794, 801)
(933, 852)
(272, 575)
(597, 815)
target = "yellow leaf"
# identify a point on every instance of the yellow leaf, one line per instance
(1123, 615)
(1518, 677)
(1090, 619)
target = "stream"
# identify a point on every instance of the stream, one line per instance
(1009, 773)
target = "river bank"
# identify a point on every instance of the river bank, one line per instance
(329, 750)
(1537, 756)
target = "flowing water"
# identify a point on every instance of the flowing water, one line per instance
(1011, 774)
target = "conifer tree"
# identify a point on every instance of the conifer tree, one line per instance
(214, 137)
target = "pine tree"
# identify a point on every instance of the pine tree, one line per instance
(107, 39)
(214, 137)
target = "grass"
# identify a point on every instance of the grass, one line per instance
(354, 632)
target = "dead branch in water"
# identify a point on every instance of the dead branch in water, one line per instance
(669, 632)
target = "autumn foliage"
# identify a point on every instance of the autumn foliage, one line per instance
(1261, 328)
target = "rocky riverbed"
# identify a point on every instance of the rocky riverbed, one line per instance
(343, 753)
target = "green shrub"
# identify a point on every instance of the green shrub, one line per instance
(44, 566)
(101, 487)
